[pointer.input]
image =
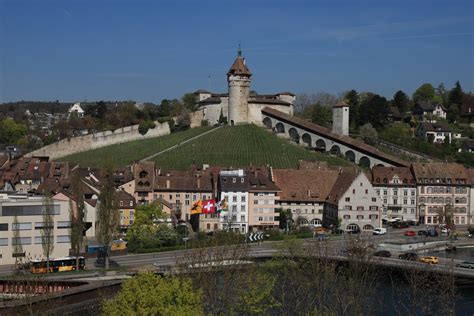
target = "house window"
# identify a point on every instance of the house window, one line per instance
(234, 199)
(21, 241)
(395, 201)
(64, 239)
(347, 217)
(234, 180)
(360, 216)
(242, 218)
(348, 207)
(242, 208)
(64, 224)
(374, 199)
(348, 199)
(366, 191)
(242, 180)
(385, 192)
(3, 241)
(242, 199)
(121, 203)
(4, 227)
(131, 203)
(353, 191)
(360, 208)
(21, 226)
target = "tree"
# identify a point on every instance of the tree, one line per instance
(374, 110)
(285, 218)
(368, 133)
(149, 294)
(456, 94)
(77, 211)
(400, 101)
(189, 100)
(47, 237)
(352, 98)
(11, 132)
(442, 94)
(425, 92)
(108, 211)
(17, 246)
(319, 114)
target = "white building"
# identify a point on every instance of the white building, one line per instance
(76, 109)
(354, 202)
(396, 187)
(28, 211)
(234, 187)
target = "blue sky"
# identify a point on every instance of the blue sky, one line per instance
(150, 50)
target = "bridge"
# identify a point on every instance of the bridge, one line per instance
(324, 139)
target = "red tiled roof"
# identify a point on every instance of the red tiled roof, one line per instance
(305, 185)
(383, 175)
(343, 182)
(441, 173)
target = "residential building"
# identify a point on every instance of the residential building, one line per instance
(304, 192)
(434, 132)
(76, 109)
(442, 187)
(396, 187)
(423, 110)
(353, 203)
(263, 200)
(467, 146)
(126, 204)
(29, 213)
(234, 186)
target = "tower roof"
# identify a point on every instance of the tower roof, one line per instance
(239, 67)
(341, 104)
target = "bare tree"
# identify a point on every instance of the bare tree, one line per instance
(47, 231)
(108, 211)
(17, 246)
(77, 217)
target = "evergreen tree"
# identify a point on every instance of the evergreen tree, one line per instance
(400, 101)
(352, 98)
(456, 94)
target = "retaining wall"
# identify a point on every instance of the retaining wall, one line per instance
(74, 145)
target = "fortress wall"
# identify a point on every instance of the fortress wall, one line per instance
(74, 145)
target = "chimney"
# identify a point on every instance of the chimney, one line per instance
(167, 184)
(198, 183)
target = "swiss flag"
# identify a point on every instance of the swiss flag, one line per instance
(208, 207)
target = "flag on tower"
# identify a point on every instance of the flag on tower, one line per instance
(197, 207)
(208, 207)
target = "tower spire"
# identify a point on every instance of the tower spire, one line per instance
(239, 51)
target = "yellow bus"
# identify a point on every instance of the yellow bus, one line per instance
(57, 265)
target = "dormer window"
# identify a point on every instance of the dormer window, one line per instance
(143, 174)
(234, 180)
(242, 180)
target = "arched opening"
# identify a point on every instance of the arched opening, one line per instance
(335, 150)
(306, 139)
(316, 222)
(301, 221)
(294, 135)
(364, 162)
(321, 145)
(368, 227)
(280, 128)
(232, 122)
(353, 227)
(350, 155)
(379, 165)
(267, 122)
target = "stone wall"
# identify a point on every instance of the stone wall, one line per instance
(74, 145)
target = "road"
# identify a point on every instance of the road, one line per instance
(334, 247)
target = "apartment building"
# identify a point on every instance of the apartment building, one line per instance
(263, 200)
(441, 188)
(304, 192)
(353, 202)
(233, 186)
(28, 210)
(396, 186)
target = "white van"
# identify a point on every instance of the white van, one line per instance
(380, 231)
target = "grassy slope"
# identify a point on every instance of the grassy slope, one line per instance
(126, 153)
(240, 145)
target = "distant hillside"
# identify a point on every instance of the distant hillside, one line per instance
(238, 146)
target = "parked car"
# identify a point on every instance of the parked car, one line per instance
(422, 233)
(380, 231)
(445, 230)
(411, 256)
(466, 264)
(429, 259)
(383, 253)
(355, 231)
(410, 233)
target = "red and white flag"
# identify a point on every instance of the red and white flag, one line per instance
(208, 207)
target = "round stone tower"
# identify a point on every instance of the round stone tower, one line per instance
(238, 78)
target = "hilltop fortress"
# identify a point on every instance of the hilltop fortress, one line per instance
(239, 105)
